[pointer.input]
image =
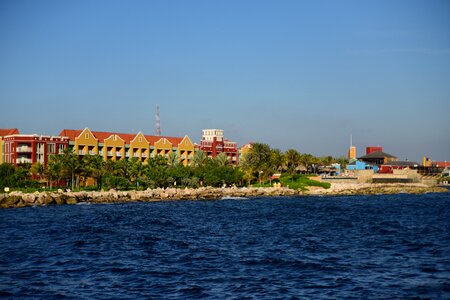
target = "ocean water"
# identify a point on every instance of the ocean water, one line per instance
(358, 247)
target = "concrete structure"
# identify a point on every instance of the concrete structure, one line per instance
(23, 149)
(118, 146)
(213, 143)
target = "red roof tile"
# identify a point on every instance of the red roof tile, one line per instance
(8, 131)
(127, 137)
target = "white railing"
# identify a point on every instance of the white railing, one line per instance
(91, 152)
(100, 152)
(127, 154)
(144, 155)
(23, 160)
(118, 154)
(22, 149)
(110, 153)
(135, 154)
(81, 152)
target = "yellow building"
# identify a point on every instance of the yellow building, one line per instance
(244, 150)
(113, 148)
(117, 146)
(352, 153)
(186, 150)
(139, 148)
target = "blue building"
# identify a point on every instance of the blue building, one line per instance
(361, 165)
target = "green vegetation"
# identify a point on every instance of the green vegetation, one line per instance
(92, 172)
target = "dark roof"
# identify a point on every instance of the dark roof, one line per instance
(402, 163)
(377, 154)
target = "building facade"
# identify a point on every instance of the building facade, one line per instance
(119, 146)
(30, 149)
(213, 143)
(4, 132)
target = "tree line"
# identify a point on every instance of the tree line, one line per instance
(74, 172)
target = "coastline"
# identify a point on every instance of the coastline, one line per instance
(19, 199)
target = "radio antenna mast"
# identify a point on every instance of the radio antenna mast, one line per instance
(158, 122)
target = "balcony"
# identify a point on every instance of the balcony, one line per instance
(144, 155)
(127, 154)
(81, 152)
(23, 160)
(24, 149)
(91, 152)
(100, 152)
(118, 154)
(109, 153)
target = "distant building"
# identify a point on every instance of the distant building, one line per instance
(29, 149)
(361, 165)
(244, 150)
(213, 143)
(119, 146)
(352, 153)
(376, 156)
(389, 167)
(4, 132)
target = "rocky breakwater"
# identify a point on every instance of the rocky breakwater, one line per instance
(376, 188)
(19, 199)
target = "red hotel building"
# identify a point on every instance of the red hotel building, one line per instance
(23, 148)
(213, 143)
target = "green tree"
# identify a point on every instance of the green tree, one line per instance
(70, 164)
(37, 169)
(293, 159)
(222, 159)
(94, 166)
(199, 159)
(54, 169)
(7, 178)
(257, 162)
(172, 159)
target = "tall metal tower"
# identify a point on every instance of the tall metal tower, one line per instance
(158, 122)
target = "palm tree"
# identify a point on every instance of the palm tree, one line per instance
(172, 159)
(54, 168)
(95, 167)
(200, 159)
(70, 163)
(37, 169)
(293, 159)
(137, 170)
(222, 159)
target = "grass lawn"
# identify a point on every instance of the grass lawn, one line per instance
(299, 182)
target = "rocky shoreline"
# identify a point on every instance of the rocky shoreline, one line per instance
(19, 199)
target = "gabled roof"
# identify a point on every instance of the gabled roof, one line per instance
(72, 134)
(8, 131)
(377, 154)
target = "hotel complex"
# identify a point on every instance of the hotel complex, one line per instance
(32, 148)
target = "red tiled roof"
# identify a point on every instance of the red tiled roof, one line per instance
(442, 164)
(8, 131)
(127, 137)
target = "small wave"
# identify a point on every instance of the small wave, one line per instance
(233, 198)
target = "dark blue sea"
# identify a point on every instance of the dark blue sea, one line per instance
(358, 247)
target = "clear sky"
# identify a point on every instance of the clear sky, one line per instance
(292, 74)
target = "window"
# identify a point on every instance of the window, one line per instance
(86, 135)
(51, 148)
(140, 139)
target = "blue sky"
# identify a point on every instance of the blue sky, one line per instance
(293, 74)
